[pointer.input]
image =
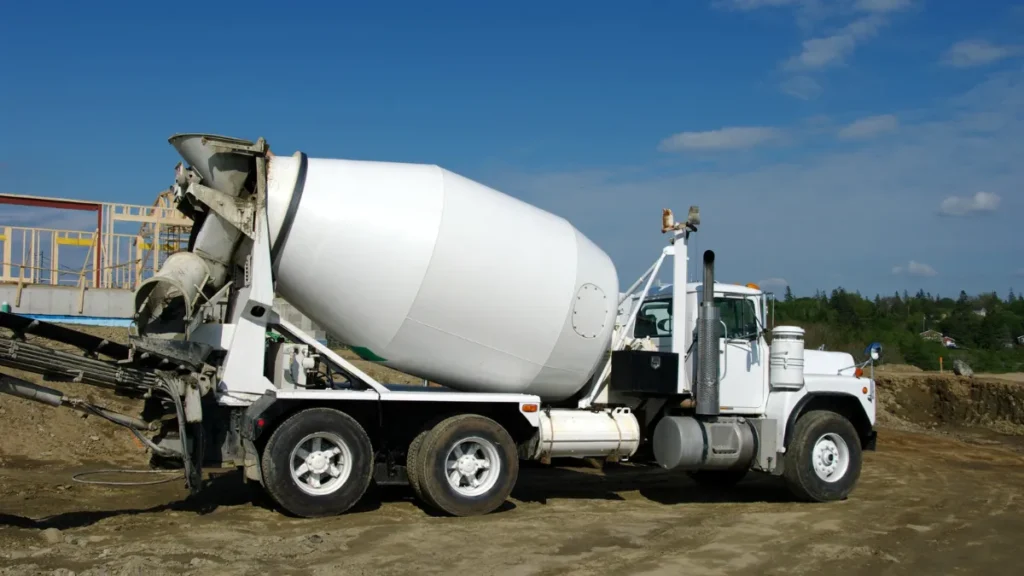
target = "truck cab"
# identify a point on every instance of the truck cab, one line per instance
(743, 347)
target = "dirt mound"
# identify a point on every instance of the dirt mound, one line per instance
(42, 434)
(897, 368)
(29, 430)
(945, 400)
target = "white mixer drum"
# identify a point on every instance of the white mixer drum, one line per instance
(439, 276)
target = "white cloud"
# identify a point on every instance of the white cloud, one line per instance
(869, 127)
(832, 50)
(964, 206)
(823, 51)
(914, 268)
(773, 282)
(840, 208)
(864, 19)
(802, 87)
(732, 138)
(882, 6)
(971, 53)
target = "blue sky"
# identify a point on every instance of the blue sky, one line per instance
(873, 144)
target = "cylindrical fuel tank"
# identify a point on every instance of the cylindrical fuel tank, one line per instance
(439, 276)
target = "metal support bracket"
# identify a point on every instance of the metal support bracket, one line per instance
(237, 211)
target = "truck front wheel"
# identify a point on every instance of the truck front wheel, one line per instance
(467, 466)
(317, 463)
(823, 459)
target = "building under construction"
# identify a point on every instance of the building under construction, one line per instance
(88, 275)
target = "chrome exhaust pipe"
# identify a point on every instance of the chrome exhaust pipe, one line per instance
(706, 388)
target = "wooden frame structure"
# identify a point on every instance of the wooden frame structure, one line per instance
(114, 258)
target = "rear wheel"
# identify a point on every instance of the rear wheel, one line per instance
(411, 469)
(823, 459)
(467, 466)
(317, 463)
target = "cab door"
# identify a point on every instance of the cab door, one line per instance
(741, 356)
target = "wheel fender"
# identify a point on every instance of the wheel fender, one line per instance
(843, 403)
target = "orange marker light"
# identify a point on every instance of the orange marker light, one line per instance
(864, 390)
(858, 372)
(529, 408)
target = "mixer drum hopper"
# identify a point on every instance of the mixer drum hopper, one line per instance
(439, 276)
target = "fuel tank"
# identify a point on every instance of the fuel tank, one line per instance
(439, 276)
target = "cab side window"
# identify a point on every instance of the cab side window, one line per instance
(739, 316)
(654, 320)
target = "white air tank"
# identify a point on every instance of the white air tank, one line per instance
(439, 276)
(787, 358)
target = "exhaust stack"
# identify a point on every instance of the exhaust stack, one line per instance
(708, 323)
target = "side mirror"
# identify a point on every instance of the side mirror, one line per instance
(874, 351)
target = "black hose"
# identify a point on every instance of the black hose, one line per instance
(78, 477)
(191, 480)
(159, 450)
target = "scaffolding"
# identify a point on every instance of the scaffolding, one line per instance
(107, 256)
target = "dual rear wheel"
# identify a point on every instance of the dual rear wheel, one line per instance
(319, 462)
(466, 465)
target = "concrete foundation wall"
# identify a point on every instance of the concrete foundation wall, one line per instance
(67, 301)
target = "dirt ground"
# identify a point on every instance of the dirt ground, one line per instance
(944, 494)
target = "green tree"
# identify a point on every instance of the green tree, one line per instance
(847, 321)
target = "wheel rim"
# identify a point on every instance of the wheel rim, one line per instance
(320, 463)
(831, 457)
(472, 466)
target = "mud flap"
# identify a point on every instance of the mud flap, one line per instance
(256, 418)
(870, 442)
(251, 462)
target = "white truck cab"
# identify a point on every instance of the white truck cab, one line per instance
(756, 380)
(743, 347)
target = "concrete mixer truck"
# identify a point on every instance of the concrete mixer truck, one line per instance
(515, 314)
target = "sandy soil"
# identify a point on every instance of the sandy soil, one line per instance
(944, 494)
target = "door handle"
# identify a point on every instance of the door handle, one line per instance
(723, 364)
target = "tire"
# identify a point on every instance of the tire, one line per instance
(487, 441)
(718, 479)
(823, 459)
(411, 468)
(337, 494)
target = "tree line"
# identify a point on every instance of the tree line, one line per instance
(984, 327)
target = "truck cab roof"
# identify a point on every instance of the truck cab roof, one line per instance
(665, 291)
